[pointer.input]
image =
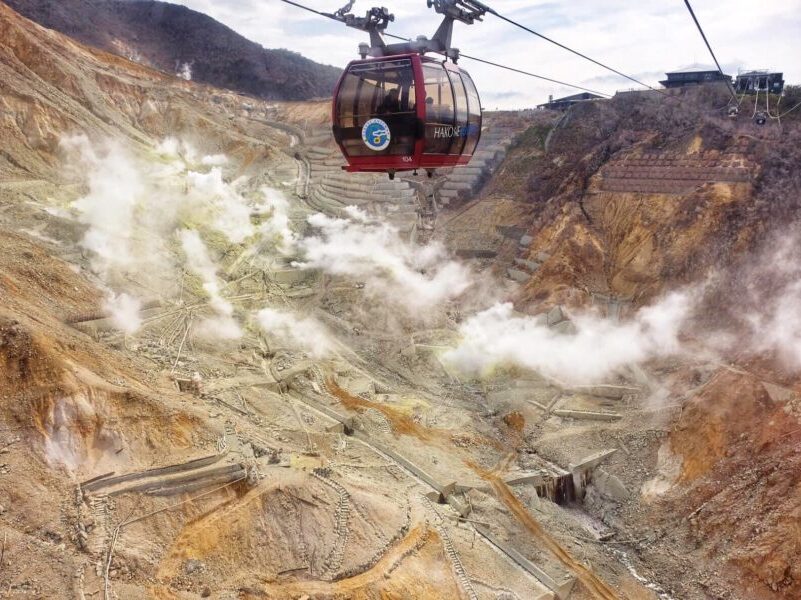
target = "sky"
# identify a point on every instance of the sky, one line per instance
(643, 38)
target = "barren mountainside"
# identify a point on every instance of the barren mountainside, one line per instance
(178, 40)
(228, 369)
(638, 197)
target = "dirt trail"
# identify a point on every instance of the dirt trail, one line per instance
(591, 581)
(416, 539)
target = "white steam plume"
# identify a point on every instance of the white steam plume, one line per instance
(213, 200)
(775, 297)
(187, 155)
(184, 71)
(276, 228)
(136, 203)
(413, 277)
(303, 333)
(199, 262)
(357, 214)
(124, 311)
(497, 337)
(214, 160)
(109, 209)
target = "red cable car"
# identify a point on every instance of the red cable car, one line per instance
(402, 110)
(404, 113)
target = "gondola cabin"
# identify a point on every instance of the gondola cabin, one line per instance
(406, 112)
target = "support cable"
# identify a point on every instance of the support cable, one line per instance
(474, 58)
(311, 10)
(500, 66)
(788, 111)
(571, 50)
(709, 47)
(527, 73)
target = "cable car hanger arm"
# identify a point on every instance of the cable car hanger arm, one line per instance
(376, 21)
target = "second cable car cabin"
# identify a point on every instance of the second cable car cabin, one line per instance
(404, 113)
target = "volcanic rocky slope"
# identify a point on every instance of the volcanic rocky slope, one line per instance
(163, 465)
(177, 40)
(631, 198)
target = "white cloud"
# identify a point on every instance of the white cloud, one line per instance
(650, 36)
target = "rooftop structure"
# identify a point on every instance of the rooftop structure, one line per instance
(568, 101)
(751, 82)
(694, 75)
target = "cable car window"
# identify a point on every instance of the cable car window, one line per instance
(376, 109)
(440, 110)
(474, 119)
(460, 96)
(347, 106)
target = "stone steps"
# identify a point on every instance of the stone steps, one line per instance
(370, 179)
(333, 189)
(672, 173)
(319, 139)
(318, 152)
(648, 186)
(456, 561)
(367, 191)
(464, 182)
(318, 172)
(325, 205)
(333, 562)
(346, 196)
(676, 173)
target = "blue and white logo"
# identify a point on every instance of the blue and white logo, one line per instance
(375, 134)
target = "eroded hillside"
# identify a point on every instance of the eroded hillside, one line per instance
(229, 371)
(640, 196)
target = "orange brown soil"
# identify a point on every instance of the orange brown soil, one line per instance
(516, 421)
(593, 584)
(204, 534)
(734, 432)
(403, 424)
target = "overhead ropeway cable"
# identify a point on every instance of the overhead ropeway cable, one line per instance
(473, 58)
(521, 72)
(569, 49)
(492, 11)
(703, 35)
(516, 70)
(308, 8)
(788, 111)
(709, 47)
